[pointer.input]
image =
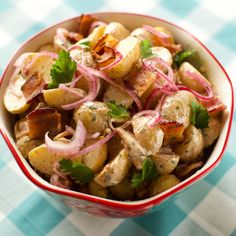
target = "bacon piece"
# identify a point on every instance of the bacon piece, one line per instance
(214, 106)
(141, 81)
(174, 131)
(106, 40)
(44, 120)
(85, 22)
(33, 87)
(104, 51)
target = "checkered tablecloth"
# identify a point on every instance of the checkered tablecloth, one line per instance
(208, 208)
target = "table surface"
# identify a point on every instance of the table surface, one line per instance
(208, 208)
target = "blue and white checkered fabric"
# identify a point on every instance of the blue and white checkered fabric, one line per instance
(208, 208)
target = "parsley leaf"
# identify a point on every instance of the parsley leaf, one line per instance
(149, 173)
(85, 43)
(200, 116)
(117, 111)
(62, 71)
(145, 47)
(79, 172)
(183, 56)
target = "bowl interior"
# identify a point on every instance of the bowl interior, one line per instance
(214, 70)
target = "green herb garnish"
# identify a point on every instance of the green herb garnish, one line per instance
(79, 172)
(62, 70)
(183, 56)
(149, 173)
(200, 116)
(117, 111)
(145, 47)
(85, 43)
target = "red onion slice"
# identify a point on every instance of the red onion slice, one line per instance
(94, 86)
(71, 148)
(97, 73)
(95, 145)
(69, 90)
(161, 35)
(44, 53)
(119, 57)
(199, 78)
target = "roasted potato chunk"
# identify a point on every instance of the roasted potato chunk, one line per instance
(137, 154)
(94, 116)
(176, 107)
(42, 160)
(115, 171)
(117, 30)
(211, 133)
(25, 144)
(95, 35)
(129, 48)
(14, 100)
(123, 190)
(165, 161)
(188, 81)
(83, 57)
(162, 53)
(41, 64)
(116, 94)
(162, 183)
(21, 128)
(192, 146)
(58, 97)
(150, 138)
(95, 159)
(97, 190)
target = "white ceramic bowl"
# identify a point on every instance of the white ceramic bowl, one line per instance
(104, 207)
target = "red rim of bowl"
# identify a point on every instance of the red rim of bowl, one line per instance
(137, 205)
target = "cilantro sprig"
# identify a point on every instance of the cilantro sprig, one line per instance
(145, 47)
(149, 173)
(117, 111)
(183, 56)
(79, 172)
(62, 71)
(200, 116)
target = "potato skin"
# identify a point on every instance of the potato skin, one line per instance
(115, 171)
(123, 190)
(14, 100)
(166, 161)
(187, 81)
(97, 190)
(42, 160)
(130, 49)
(94, 116)
(116, 94)
(95, 35)
(149, 138)
(211, 133)
(192, 146)
(162, 183)
(58, 97)
(176, 107)
(25, 144)
(117, 30)
(95, 159)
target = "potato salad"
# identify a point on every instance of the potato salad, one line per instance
(113, 112)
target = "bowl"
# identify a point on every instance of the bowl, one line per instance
(106, 207)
